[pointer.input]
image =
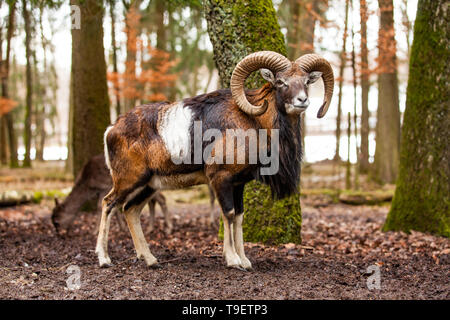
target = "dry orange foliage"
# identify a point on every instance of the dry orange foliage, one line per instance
(6, 105)
(386, 60)
(145, 79)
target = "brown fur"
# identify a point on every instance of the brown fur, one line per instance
(91, 185)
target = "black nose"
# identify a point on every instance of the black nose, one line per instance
(302, 100)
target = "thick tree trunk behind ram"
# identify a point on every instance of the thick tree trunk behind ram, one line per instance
(421, 200)
(236, 29)
(90, 91)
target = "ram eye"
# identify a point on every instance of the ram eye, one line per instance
(280, 83)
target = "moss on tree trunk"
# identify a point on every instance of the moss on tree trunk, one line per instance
(236, 29)
(421, 200)
(90, 91)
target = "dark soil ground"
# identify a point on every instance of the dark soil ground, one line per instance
(340, 243)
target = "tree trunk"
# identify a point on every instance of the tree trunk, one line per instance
(172, 35)
(114, 52)
(12, 141)
(39, 108)
(160, 28)
(29, 85)
(8, 120)
(365, 87)
(237, 29)
(341, 82)
(161, 40)
(3, 149)
(300, 36)
(3, 145)
(41, 93)
(388, 114)
(407, 24)
(301, 27)
(131, 29)
(355, 116)
(52, 88)
(348, 166)
(69, 161)
(422, 197)
(90, 91)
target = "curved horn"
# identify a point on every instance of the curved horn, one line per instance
(313, 62)
(273, 61)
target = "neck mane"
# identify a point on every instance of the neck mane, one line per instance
(286, 181)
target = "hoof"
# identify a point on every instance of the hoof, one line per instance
(238, 267)
(104, 262)
(156, 266)
(232, 260)
(153, 264)
(106, 265)
(246, 264)
(150, 261)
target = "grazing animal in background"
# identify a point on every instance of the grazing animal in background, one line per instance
(153, 147)
(91, 185)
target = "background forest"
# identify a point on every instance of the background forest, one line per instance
(174, 34)
(375, 173)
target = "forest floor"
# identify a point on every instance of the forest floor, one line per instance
(342, 246)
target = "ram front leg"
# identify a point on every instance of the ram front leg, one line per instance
(223, 187)
(239, 242)
(238, 197)
(229, 252)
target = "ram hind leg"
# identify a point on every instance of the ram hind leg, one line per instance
(109, 206)
(168, 224)
(212, 199)
(151, 216)
(121, 222)
(132, 211)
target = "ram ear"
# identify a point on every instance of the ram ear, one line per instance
(313, 77)
(268, 75)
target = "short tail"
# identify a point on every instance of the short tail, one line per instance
(105, 136)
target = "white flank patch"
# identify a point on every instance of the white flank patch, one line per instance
(174, 130)
(108, 163)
